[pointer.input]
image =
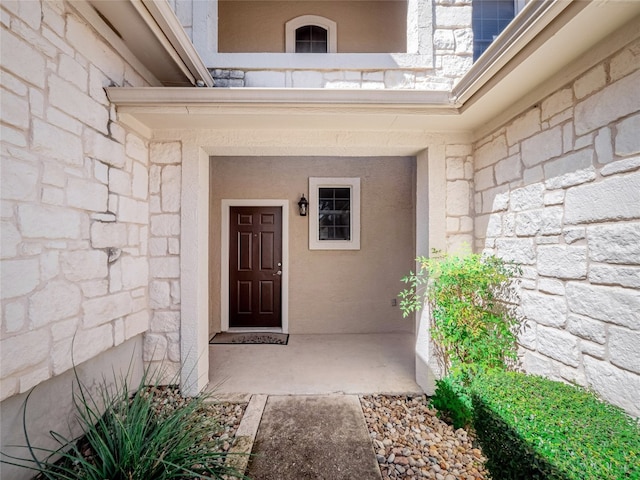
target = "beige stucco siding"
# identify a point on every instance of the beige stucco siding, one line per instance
(363, 27)
(330, 291)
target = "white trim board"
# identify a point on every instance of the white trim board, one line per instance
(226, 205)
(315, 183)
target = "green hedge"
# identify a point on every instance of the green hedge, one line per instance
(533, 428)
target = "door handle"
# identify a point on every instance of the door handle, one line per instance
(279, 272)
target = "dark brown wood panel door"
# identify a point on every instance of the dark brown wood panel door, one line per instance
(255, 266)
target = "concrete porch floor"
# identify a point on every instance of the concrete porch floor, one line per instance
(317, 364)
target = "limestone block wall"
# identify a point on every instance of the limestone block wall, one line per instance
(162, 342)
(558, 191)
(459, 197)
(75, 202)
(411, 79)
(452, 40)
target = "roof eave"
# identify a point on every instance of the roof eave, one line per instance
(150, 32)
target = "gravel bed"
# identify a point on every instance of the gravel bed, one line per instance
(410, 441)
(224, 417)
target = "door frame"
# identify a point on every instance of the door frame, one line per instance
(224, 257)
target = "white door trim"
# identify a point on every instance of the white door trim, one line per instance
(224, 256)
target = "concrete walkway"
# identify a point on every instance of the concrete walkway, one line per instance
(304, 419)
(322, 437)
(317, 364)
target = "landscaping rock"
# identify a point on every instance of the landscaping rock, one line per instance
(411, 441)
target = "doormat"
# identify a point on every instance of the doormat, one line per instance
(250, 337)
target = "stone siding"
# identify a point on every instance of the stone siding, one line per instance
(459, 197)
(162, 343)
(414, 79)
(452, 41)
(558, 191)
(75, 204)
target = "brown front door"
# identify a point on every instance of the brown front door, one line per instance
(255, 266)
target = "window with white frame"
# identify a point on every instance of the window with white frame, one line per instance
(311, 34)
(334, 213)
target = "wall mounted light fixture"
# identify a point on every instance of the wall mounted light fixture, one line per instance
(302, 205)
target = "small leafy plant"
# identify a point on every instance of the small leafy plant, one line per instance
(474, 323)
(453, 400)
(471, 300)
(129, 436)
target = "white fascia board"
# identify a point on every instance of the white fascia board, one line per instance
(131, 96)
(162, 38)
(195, 108)
(179, 40)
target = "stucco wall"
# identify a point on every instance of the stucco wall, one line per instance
(558, 191)
(330, 291)
(422, 44)
(74, 206)
(259, 26)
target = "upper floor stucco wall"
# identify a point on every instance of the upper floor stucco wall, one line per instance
(558, 191)
(417, 44)
(362, 27)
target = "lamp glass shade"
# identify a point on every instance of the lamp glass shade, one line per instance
(302, 205)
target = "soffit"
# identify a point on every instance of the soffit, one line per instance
(154, 35)
(566, 35)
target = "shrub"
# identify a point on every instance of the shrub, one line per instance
(474, 323)
(472, 308)
(534, 428)
(134, 439)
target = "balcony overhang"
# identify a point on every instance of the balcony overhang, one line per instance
(282, 108)
(545, 46)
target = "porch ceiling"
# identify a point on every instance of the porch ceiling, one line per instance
(543, 46)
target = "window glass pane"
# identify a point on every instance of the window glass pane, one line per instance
(311, 39)
(303, 34)
(490, 17)
(342, 193)
(334, 213)
(303, 47)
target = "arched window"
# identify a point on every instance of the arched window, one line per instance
(311, 39)
(311, 34)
